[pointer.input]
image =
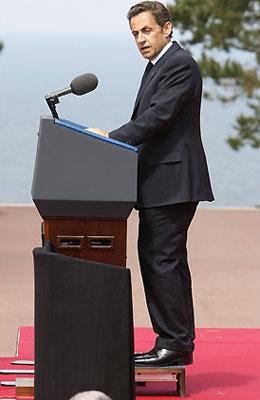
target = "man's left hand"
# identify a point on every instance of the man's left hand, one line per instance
(98, 131)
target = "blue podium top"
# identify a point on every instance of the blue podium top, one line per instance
(84, 130)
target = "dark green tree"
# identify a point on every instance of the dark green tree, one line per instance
(1, 45)
(228, 35)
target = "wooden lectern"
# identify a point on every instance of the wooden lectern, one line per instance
(84, 187)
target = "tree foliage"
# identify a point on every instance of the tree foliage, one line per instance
(1, 45)
(232, 28)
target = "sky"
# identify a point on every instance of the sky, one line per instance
(64, 16)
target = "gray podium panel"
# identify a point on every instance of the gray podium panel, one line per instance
(83, 327)
(81, 174)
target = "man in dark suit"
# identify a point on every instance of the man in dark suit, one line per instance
(172, 178)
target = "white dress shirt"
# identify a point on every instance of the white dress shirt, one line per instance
(168, 45)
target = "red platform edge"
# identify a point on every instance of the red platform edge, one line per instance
(226, 364)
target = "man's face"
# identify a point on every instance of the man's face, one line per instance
(149, 36)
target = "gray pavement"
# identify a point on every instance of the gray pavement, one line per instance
(224, 260)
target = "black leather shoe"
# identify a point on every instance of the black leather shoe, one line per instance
(138, 355)
(163, 358)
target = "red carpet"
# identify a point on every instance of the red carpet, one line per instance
(226, 365)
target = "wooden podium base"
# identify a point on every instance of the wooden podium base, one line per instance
(100, 240)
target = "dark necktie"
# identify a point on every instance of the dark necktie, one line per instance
(148, 68)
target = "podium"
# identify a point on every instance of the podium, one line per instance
(84, 187)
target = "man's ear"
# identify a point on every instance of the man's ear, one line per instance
(167, 28)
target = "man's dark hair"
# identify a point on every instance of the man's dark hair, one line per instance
(158, 10)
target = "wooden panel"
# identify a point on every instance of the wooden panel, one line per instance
(100, 240)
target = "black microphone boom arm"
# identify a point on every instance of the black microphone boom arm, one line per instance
(52, 101)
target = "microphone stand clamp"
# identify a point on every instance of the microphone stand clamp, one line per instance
(52, 100)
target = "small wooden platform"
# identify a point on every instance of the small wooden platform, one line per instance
(162, 374)
(24, 388)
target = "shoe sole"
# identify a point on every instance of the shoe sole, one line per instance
(179, 363)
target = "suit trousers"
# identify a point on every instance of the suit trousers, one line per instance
(166, 275)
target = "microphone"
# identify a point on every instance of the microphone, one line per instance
(79, 86)
(83, 84)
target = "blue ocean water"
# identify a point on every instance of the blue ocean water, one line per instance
(32, 66)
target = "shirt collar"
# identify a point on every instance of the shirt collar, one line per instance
(166, 47)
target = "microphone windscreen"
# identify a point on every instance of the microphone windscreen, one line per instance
(83, 84)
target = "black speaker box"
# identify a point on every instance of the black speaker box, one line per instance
(83, 328)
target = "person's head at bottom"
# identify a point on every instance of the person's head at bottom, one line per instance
(91, 395)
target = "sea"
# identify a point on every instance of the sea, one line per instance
(32, 66)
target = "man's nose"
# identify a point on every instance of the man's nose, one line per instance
(140, 38)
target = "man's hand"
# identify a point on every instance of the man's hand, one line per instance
(98, 131)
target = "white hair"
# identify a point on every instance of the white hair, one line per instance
(90, 395)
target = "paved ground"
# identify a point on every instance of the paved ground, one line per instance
(224, 259)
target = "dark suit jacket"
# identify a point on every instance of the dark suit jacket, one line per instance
(165, 126)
